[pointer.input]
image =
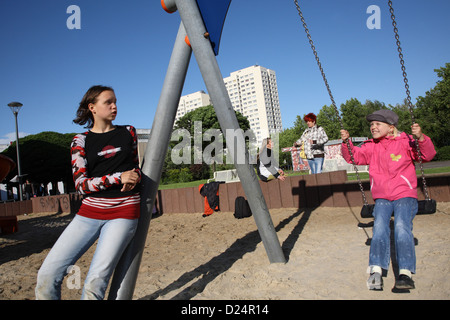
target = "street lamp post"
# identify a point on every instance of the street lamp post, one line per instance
(15, 107)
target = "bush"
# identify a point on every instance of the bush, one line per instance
(442, 154)
(172, 176)
(200, 171)
(184, 175)
(177, 175)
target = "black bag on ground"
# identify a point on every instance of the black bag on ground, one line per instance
(241, 208)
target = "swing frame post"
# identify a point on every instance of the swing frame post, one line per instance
(209, 68)
(126, 272)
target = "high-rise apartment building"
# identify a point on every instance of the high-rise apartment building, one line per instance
(253, 91)
(191, 102)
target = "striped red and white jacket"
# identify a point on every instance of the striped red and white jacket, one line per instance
(98, 161)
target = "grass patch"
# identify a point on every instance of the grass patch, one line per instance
(182, 185)
(350, 177)
(365, 175)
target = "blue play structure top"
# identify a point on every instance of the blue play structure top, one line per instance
(213, 15)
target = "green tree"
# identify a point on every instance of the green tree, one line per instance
(44, 157)
(207, 116)
(433, 110)
(300, 125)
(208, 119)
(287, 138)
(354, 117)
(328, 119)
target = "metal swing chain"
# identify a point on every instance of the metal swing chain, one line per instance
(331, 97)
(408, 96)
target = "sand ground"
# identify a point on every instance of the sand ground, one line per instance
(220, 257)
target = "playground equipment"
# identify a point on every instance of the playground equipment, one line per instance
(199, 32)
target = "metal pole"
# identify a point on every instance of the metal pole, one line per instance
(201, 46)
(19, 170)
(125, 275)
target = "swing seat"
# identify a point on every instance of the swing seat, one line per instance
(424, 207)
(258, 173)
(263, 178)
(367, 211)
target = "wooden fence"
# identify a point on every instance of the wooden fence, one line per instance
(329, 189)
(60, 203)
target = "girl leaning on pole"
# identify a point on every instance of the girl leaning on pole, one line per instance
(393, 183)
(105, 168)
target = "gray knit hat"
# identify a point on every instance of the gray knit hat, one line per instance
(384, 115)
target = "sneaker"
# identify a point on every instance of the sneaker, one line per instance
(404, 282)
(375, 281)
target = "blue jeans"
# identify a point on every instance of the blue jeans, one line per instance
(315, 164)
(113, 237)
(405, 210)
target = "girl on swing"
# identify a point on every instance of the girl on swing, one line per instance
(393, 182)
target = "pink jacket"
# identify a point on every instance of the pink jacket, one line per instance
(392, 172)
